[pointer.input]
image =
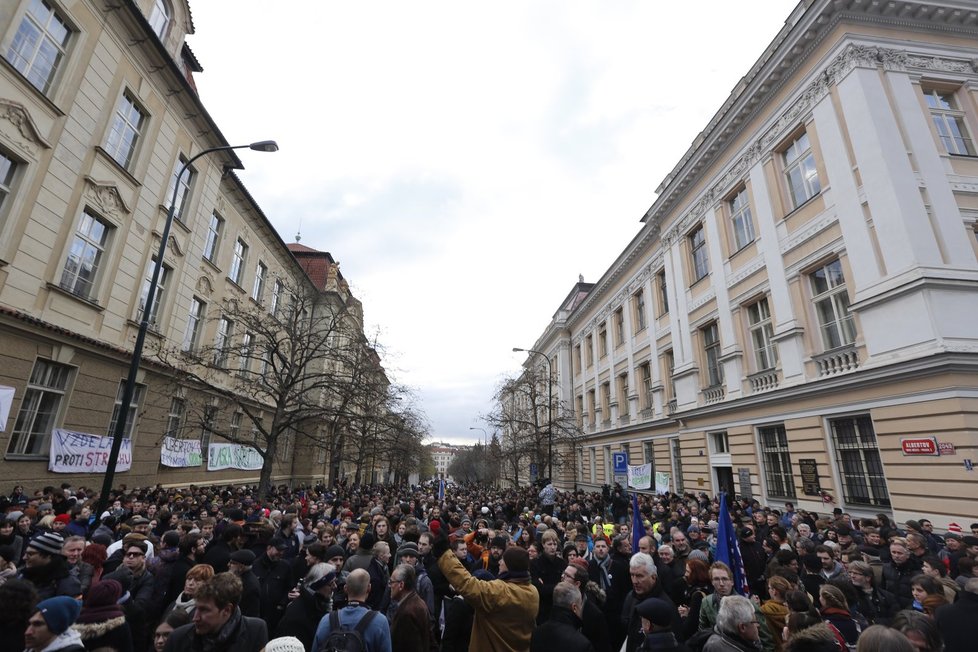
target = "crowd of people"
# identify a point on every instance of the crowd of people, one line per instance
(426, 568)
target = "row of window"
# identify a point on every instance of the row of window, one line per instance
(42, 41)
(46, 396)
(854, 446)
(830, 301)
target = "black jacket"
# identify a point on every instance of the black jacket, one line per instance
(52, 579)
(250, 595)
(274, 581)
(897, 580)
(546, 573)
(958, 623)
(560, 632)
(878, 606)
(634, 621)
(240, 634)
(302, 617)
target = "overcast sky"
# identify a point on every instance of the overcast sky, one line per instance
(466, 161)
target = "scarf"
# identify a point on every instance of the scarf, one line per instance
(188, 604)
(514, 576)
(209, 643)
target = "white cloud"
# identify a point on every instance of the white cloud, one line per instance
(466, 162)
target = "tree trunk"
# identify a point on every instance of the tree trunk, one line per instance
(268, 463)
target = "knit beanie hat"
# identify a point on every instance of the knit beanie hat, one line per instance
(49, 543)
(335, 551)
(59, 613)
(285, 644)
(517, 559)
(102, 602)
(62, 518)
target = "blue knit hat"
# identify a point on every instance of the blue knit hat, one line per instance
(59, 613)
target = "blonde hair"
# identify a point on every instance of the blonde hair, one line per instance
(833, 597)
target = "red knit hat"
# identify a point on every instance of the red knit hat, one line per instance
(953, 527)
(62, 518)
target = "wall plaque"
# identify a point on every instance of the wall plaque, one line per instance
(745, 488)
(809, 477)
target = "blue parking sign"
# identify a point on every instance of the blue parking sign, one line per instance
(620, 462)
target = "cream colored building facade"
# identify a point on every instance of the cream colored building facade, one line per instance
(98, 110)
(799, 309)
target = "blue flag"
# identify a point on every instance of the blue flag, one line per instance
(638, 529)
(441, 489)
(728, 549)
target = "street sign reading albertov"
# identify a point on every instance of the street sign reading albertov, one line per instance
(620, 462)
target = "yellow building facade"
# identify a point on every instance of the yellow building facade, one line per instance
(98, 110)
(797, 317)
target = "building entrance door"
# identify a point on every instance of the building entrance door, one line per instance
(725, 480)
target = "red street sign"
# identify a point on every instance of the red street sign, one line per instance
(919, 446)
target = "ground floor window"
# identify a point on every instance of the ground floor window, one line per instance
(858, 459)
(777, 461)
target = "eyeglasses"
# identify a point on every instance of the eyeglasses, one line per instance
(393, 582)
(133, 555)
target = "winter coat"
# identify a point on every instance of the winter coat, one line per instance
(776, 617)
(411, 625)
(877, 606)
(546, 573)
(69, 641)
(505, 609)
(239, 634)
(560, 632)
(843, 621)
(250, 595)
(721, 642)
(633, 622)
(662, 642)
(708, 620)
(594, 626)
(112, 634)
(302, 617)
(897, 580)
(958, 623)
(52, 579)
(274, 581)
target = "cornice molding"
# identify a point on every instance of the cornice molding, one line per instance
(106, 197)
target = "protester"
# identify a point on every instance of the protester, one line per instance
(218, 625)
(49, 628)
(374, 628)
(303, 614)
(101, 622)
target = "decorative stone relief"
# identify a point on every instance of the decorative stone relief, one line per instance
(222, 205)
(106, 197)
(174, 245)
(205, 286)
(29, 135)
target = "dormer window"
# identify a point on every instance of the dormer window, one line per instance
(160, 17)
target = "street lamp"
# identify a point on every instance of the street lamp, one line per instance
(550, 406)
(137, 350)
(484, 434)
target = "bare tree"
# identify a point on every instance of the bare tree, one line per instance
(522, 411)
(300, 369)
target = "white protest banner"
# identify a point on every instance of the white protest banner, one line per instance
(6, 400)
(640, 477)
(79, 452)
(662, 482)
(180, 452)
(233, 456)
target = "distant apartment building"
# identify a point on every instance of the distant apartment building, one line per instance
(795, 319)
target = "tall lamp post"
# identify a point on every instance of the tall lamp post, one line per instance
(137, 351)
(550, 408)
(485, 435)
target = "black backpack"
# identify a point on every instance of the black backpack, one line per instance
(344, 639)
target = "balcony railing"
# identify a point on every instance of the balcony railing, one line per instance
(714, 394)
(764, 381)
(624, 419)
(647, 413)
(837, 361)
(671, 406)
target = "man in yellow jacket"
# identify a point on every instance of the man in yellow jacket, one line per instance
(505, 608)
